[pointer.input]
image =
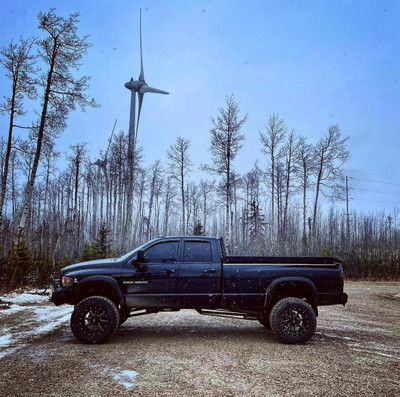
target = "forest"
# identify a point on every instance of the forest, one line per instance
(52, 217)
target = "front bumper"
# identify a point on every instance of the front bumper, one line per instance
(62, 295)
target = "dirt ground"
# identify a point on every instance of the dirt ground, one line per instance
(355, 352)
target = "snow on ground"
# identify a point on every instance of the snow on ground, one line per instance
(28, 316)
(125, 377)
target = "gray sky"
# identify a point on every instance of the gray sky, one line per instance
(316, 63)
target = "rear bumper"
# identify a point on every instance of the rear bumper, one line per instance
(61, 295)
(332, 299)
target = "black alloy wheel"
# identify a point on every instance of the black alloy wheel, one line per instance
(293, 321)
(94, 319)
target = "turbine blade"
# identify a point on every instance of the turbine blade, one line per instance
(138, 117)
(141, 77)
(147, 88)
(109, 142)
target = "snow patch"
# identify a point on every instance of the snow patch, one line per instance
(375, 349)
(5, 340)
(24, 298)
(125, 377)
(10, 350)
(29, 316)
(333, 336)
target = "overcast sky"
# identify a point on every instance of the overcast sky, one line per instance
(316, 63)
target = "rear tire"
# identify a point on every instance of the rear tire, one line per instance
(293, 321)
(94, 319)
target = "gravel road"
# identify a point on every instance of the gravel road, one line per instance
(355, 352)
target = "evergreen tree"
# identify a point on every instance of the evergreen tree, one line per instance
(64, 261)
(88, 252)
(102, 246)
(198, 229)
(18, 264)
(42, 267)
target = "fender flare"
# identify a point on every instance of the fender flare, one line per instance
(270, 293)
(102, 280)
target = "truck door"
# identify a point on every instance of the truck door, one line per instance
(199, 275)
(154, 284)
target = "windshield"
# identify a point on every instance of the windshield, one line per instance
(130, 253)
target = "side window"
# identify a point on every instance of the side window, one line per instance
(162, 253)
(197, 251)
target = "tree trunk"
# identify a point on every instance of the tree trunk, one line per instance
(39, 142)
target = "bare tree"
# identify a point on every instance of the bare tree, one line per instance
(226, 141)
(330, 155)
(62, 51)
(180, 166)
(155, 186)
(20, 69)
(78, 155)
(291, 156)
(271, 139)
(305, 170)
(206, 189)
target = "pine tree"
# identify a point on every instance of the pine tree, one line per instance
(198, 229)
(102, 246)
(64, 261)
(42, 266)
(88, 252)
(18, 264)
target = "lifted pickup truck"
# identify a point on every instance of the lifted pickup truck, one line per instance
(173, 273)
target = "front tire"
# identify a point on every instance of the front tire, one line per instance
(94, 319)
(293, 321)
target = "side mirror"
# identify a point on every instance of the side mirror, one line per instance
(140, 256)
(139, 262)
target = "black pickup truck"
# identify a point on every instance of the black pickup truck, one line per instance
(173, 273)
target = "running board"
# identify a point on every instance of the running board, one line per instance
(227, 314)
(142, 312)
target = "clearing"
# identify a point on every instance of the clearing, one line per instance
(355, 351)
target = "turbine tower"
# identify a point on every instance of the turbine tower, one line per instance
(138, 87)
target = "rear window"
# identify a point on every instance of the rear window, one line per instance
(197, 251)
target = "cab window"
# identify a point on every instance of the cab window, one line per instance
(162, 253)
(197, 251)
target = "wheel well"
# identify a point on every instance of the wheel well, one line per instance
(98, 289)
(295, 289)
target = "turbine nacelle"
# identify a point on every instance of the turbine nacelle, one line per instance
(134, 85)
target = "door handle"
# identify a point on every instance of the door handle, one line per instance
(169, 271)
(210, 271)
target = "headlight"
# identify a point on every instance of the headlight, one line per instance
(67, 281)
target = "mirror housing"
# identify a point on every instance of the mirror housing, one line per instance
(139, 261)
(140, 256)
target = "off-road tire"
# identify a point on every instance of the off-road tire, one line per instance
(94, 319)
(293, 321)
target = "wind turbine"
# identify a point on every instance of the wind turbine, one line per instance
(103, 163)
(140, 87)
